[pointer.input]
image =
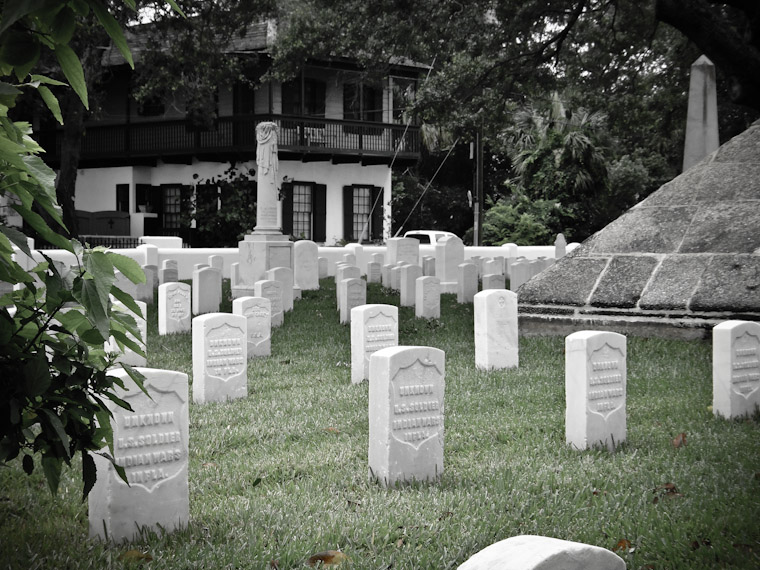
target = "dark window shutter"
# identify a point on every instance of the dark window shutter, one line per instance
(377, 213)
(287, 208)
(348, 213)
(319, 213)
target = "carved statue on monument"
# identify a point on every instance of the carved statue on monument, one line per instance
(268, 167)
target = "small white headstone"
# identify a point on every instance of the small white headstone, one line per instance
(385, 275)
(427, 303)
(408, 284)
(374, 272)
(449, 254)
(736, 368)
(377, 258)
(496, 340)
(220, 359)
(520, 272)
(198, 266)
(493, 267)
(306, 268)
(174, 304)
(467, 283)
(217, 262)
(169, 264)
(349, 259)
(351, 293)
(494, 281)
(344, 272)
(168, 275)
(271, 290)
(145, 290)
(406, 388)
(207, 290)
(428, 266)
(258, 314)
(151, 444)
(373, 327)
(595, 389)
(528, 552)
(322, 264)
(403, 249)
(285, 276)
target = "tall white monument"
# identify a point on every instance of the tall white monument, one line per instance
(702, 113)
(266, 247)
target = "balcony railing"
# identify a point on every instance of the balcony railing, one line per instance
(237, 134)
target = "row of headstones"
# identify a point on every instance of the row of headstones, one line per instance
(406, 410)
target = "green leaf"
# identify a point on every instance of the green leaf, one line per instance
(47, 80)
(14, 10)
(89, 474)
(19, 48)
(97, 309)
(18, 238)
(63, 26)
(36, 375)
(52, 468)
(128, 267)
(137, 377)
(125, 299)
(8, 89)
(124, 340)
(55, 423)
(176, 8)
(73, 71)
(52, 103)
(113, 29)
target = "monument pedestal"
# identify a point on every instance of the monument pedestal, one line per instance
(259, 253)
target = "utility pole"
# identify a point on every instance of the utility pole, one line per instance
(478, 194)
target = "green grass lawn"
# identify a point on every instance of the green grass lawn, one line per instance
(283, 474)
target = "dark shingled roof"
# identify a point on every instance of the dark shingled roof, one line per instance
(676, 264)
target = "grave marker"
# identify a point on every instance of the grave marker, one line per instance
(449, 254)
(351, 293)
(373, 327)
(374, 272)
(406, 388)
(408, 284)
(207, 290)
(285, 276)
(467, 283)
(428, 299)
(496, 340)
(595, 389)
(271, 290)
(736, 368)
(403, 249)
(494, 281)
(174, 304)
(220, 359)
(258, 314)
(306, 267)
(151, 444)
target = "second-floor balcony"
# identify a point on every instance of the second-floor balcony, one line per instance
(234, 138)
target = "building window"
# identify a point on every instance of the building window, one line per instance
(172, 202)
(362, 205)
(363, 213)
(302, 210)
(313, 97)
(122, 197)
(362, 102)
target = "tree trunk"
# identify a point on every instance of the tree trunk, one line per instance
(73, 128)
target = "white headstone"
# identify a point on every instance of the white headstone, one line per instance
(427, 304)
(217, 262)
(560, 246)
(344, 271)
(494, 281)
(123, 283)
(385, 275)
(220, 360)
(403, 249)
(306, 268)
(198, 266)
(373, 272)
(169, 264)
(467, 282)
(352, 292)
(168, 275)
(373, 327)
(349, 258)
(428, 265)
(408, 284)
(736, 368)
(449, 254)
(271, 290)
(520, 272)
(322, 263)
(595, 389)
(151, 444)
(406, 388)
(145, 290)
(377, 258)
(207, 290)
(174, 308)
(285, 276)
(496, 340)
(530, 552)
(258, 314)
(493, 267)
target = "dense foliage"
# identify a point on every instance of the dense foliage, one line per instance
(54, 320)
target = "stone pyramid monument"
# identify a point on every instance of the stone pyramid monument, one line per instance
(679, 262)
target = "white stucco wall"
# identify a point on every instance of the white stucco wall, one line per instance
(96, 187)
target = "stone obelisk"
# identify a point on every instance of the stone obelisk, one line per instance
(702, 113)
(266, 247)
